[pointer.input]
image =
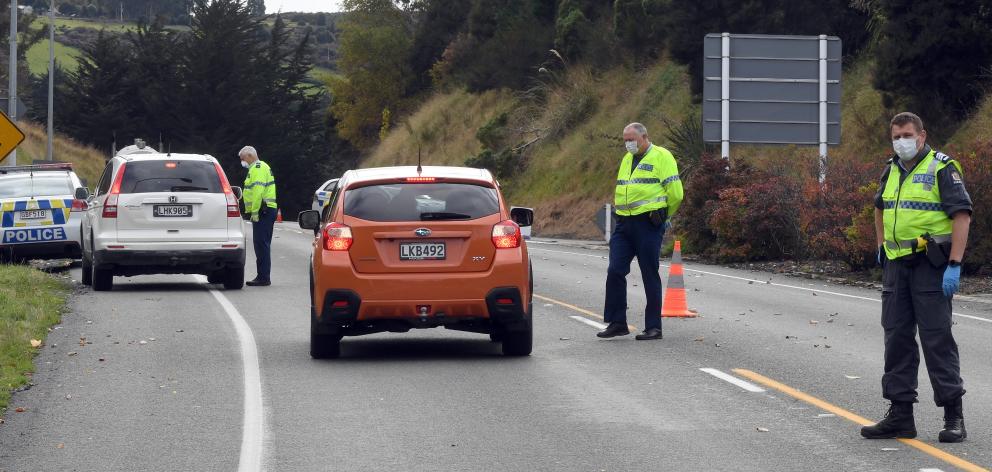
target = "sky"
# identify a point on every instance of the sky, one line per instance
(273, 6)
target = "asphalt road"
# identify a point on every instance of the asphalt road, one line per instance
(165, 380)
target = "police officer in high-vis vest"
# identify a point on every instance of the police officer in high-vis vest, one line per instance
(648, 193)
(921, 223)
(261, 207)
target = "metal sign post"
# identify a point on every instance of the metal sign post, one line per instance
(51, 79)
(12, 95)
(769, 89)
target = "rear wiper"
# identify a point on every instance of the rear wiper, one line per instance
(187, 188)
(443, 216)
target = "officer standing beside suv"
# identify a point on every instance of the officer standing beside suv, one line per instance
(922, 215)
(648, 193)
(261, 207)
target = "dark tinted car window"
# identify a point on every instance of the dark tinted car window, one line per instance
(104, 185)
(421, 202)
(40, 184)
(170, 176)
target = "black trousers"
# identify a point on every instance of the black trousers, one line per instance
(262, 240)
(912, 297)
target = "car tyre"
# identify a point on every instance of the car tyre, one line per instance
(103, 279)
(519, 343)
(215, 277)
(234, 278)
(322, 345)
(87, 270)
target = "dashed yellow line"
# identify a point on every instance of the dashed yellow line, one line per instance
(914, 443)
(580, 310)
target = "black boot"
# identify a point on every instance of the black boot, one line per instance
(898, 423)
(615, 328)
(953, 431)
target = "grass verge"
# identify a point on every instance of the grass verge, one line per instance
(30, 302)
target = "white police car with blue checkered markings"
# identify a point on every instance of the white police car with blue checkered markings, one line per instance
(324, 194)
(39, 213)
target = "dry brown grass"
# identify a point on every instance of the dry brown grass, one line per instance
(444, 127)
(87, 161)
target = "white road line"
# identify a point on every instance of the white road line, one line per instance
(253, 431)
(931, 470)
(765, 282)
(589, 322)
(734, 380)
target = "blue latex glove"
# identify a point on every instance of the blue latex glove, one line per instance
(952, 279)
(668, 225)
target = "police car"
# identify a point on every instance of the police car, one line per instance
(163, 213)
(324, 194)
(40, 211)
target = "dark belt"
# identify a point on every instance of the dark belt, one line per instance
(632, 217)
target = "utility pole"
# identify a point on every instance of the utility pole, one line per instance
(51, 80)
(12, 96)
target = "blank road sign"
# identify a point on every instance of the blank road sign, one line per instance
(772, 88)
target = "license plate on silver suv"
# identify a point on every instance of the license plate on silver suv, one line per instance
(428, 251)
(171, 211)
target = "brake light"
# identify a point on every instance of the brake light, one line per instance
(110, 204)
(233, 211)
(506, 235)
(339, 304)
(337, 237)
(504, 301)
(170, 165)
(79, 205)
(421, 180)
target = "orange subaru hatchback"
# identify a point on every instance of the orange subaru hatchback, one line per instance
(408, 247)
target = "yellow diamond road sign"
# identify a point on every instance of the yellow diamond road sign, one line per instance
(10, 136)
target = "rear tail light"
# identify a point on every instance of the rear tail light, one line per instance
(506, 235)
(110, 204)
(337, 237)
(232, 202)
(79, 205)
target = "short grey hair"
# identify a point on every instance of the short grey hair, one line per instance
(638, 128)
(248, 150)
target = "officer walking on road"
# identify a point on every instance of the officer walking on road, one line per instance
(261, 207)
(648, 193)
(922, 214)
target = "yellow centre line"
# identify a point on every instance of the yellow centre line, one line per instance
(580, 310)
(914, 443)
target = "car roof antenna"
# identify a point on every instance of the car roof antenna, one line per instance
(419, 168)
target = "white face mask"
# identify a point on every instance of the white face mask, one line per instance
(905, 148)
(244, 164)
(631, 146)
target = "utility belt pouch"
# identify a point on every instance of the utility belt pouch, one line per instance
(937, 253)
(656, 217)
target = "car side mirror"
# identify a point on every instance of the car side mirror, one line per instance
(309, 219)
(238, 193)
(522, 216)
(82, 193)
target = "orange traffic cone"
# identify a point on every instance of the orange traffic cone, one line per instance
(279, 216)
(674, 305)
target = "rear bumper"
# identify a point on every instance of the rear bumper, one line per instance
(53, 241)
(137, 262)
(344, 312)
(48, 250)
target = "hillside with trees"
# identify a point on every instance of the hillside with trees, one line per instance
(538, 91)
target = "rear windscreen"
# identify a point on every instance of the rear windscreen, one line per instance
(421, 202)
(170, 176)
(26, 185)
